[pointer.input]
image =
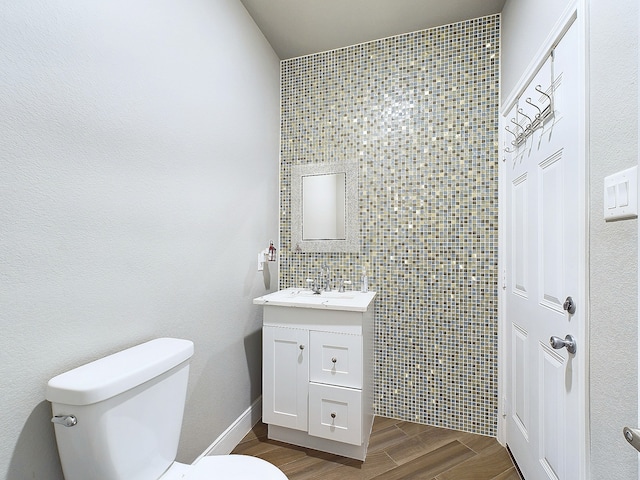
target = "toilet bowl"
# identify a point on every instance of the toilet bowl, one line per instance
(119, 418)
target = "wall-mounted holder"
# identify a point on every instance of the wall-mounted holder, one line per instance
(267, 255)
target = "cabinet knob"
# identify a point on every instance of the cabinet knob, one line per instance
(334, 359)
(301, 347)
(333, 414)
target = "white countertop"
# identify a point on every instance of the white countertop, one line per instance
(351, 301)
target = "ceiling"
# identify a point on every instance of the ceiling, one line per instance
(300, 27)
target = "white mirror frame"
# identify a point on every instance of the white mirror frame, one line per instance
(352, 228)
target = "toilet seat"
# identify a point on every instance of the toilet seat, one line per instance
(227, 467)
(235, 467)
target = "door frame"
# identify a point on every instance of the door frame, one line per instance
(576, 12)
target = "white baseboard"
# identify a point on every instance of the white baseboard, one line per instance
(233, 435)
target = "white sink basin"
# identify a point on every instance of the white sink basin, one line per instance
(303, 298)
(310, 293)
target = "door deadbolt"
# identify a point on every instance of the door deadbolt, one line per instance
(569, 305)
(569, 342)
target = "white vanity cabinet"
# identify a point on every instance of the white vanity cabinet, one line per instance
(318, 378)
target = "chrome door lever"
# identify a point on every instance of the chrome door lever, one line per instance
(569, 342)
(632, 435)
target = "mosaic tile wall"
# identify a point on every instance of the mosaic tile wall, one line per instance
(419, 112)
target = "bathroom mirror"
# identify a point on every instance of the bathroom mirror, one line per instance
(324, 202)
(323, 206)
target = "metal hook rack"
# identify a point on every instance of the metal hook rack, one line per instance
(533, 122)
(515, 136)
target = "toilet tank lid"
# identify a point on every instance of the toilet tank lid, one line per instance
(117, 373)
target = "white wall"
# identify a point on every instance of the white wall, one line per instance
(138, 181)
(613, 130)
(613, 102)
(525, 26)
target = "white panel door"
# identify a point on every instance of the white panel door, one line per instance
(545, 391)
(285, 376)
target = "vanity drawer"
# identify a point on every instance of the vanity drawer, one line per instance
(335, 413)
(335, 358)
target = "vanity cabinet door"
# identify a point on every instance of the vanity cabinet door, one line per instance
(285, 376)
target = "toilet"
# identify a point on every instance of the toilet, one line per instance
(119, 418)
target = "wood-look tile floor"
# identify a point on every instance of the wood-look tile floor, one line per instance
(397, 450)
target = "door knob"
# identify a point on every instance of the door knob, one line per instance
(569, 342)
(632, 435)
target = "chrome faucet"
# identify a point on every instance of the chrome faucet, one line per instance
(343, 282)
(311, 283)
(327, 279)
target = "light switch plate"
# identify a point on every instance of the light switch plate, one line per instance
(621, 195)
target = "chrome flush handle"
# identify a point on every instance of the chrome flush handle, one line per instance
(65, 420)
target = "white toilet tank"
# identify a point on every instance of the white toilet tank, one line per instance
(128, 411)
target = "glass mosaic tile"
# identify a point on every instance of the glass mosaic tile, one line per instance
(419, 113)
